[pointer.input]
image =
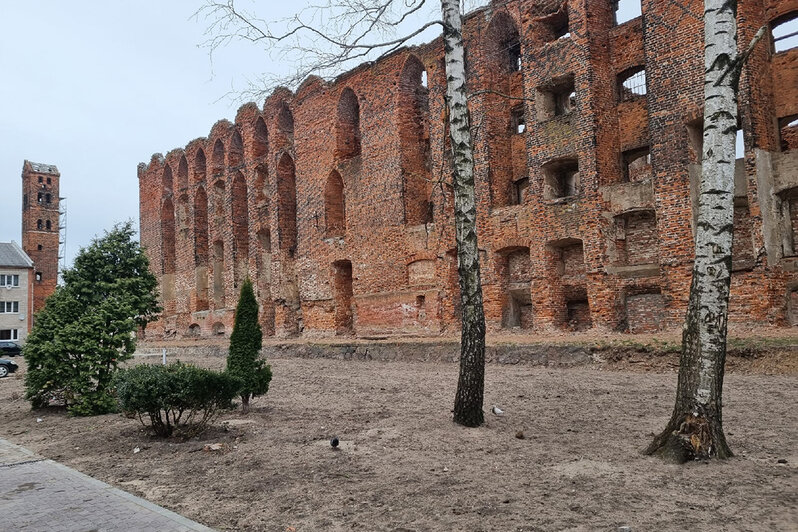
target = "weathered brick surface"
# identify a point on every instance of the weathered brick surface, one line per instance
(335, 199)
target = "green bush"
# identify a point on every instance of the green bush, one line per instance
(178, 397)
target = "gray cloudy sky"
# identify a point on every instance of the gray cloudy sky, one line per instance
(95, 87)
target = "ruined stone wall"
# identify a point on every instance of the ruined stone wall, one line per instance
(336, 200)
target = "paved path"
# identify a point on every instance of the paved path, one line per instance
(39, 494)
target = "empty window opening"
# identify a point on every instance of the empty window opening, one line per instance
(413, 117)
(637, 164)
(217, 160)
(788, 133)
(235, 157)
(578, 314)
(260, 141)
(560, 179)
(166, 179)
(695, 137)
(218, 329)
(41, 179)
(286, 203)
(424, 82)
(49, 181)
(342, 290)
(515, 273)
(182, 173)
(47, 198)
(636, 240)
(739, 145)
(517, 119)
(334, 205)
(569, 258)
(40, 197)
(48, 225)
(504, 44)
(520, 187)
(557, 99)
(39, 224)
(39, 276)
(555, 26)
(784, 32)
(199, 166)
(347, 130)
(632, 84)
(39, 247)
(193, 331)
(626, 10)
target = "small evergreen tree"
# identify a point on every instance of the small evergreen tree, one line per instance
(245, 344)
(87, 326)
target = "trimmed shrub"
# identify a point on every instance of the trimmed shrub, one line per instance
(178, 397)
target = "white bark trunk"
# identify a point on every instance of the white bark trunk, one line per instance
(470, 386)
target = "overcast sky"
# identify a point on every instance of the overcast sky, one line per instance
(97, 87)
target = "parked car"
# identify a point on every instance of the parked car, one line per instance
(6, 367)
(10, 349)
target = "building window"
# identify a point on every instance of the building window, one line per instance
(518, 120)
(47, 198)
(48, 225)
(632, 84)
(40, 197)
(637, 164)
(49, 181)
(39, 225)
(9, 307)
(784, 32)
(561, 179)
(9, 280)
(9, 334)
(514, 52)
(626, 10)
(39, 247)
(556, 25)
(39, 276)
(558, 99)
(519, 188)
(40, 179)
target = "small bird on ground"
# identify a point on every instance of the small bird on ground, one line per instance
(334, 442)
(497, 411)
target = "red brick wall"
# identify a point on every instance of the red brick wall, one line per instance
(284, 204)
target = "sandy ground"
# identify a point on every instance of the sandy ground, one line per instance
(403, 465)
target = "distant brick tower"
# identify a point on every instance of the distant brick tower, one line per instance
(40, 226)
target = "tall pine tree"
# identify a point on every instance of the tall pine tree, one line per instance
(245, 344)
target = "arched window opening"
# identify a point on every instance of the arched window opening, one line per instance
(347, 129)
(217, 160)
(285, 122)
(240, 227)
(39, 224)
(504, 44)
(166, 179)
(413, 118)
(555, 25)
(182, 173)
(625, 10)
(235, 157)
(560, 179)
(260, 140)
(168, 236)
(194, 331)
(334, 205)
(784, 32)
(632, 84)
(199, 166)
(201, 248)
(218, 274)
(48, 225)
(218, 329)
(286, 207)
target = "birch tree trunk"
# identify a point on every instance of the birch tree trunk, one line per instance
(471, 383)
(695, 430)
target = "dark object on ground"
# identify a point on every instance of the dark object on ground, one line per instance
(10, 349)
(6, 367)
(520, 435)
(334, 442)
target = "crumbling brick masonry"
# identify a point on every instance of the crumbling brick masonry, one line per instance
(335, 199)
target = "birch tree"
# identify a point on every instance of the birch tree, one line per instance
(695, 430)
(330, 38)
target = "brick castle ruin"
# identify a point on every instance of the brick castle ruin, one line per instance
(334, 201)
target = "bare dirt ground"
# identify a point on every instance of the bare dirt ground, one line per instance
(404, 466)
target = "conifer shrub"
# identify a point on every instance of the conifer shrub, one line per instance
(178, 398)
(246, 342)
